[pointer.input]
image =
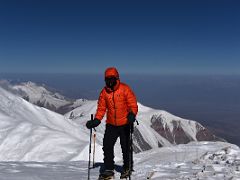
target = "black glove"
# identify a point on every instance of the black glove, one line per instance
(131, 117)
(93, 123)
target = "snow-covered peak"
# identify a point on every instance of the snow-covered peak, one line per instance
(40, 95)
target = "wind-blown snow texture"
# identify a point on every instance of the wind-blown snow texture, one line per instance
(36, 143)
(194, 161)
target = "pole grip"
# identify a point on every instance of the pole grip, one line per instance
(92, 118)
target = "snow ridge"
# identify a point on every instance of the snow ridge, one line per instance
(28, 132)
(156, 128)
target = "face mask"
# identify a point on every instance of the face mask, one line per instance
(111, 82)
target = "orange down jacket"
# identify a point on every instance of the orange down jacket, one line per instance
(117, 103)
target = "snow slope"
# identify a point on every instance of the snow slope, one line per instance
(193, 161)
(31, 133)
(196, 160)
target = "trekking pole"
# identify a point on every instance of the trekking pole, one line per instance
(94, 142)
(89, 159)
(130, 151)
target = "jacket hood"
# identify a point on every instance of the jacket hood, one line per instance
(111, 71)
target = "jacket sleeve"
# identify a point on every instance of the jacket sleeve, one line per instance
(101, 108)
(131, 101)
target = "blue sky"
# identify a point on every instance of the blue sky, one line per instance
(196, 37)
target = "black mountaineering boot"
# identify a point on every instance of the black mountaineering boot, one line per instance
(125, 173)
(106, 175)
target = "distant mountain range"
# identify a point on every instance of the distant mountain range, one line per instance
(42, 96)
(157, 128)
(50, 145)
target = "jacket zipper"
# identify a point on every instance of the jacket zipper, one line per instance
(115, 116)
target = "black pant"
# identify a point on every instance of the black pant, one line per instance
(109, 140)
